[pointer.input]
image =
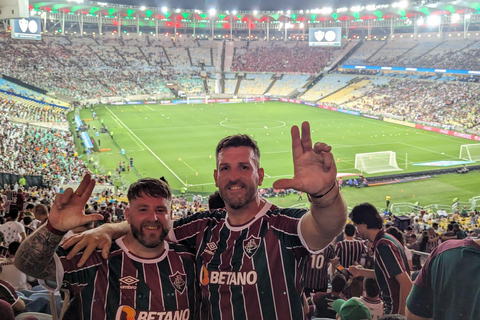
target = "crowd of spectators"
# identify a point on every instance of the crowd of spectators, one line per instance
(291, 59)
(31, 150)
(453, 104)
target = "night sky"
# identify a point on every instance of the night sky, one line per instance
(248, 5)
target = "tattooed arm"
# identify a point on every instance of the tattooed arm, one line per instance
(35, 255)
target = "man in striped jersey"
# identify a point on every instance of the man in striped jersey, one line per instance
(250, 255)
(391, 266)
(316, 270)
(144, 276)
(350, 251)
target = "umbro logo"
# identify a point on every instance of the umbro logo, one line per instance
(211, 248)
(128, 282)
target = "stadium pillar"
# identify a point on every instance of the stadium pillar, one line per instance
(156, 26)
(119, 27)
(231, 26)
(392, 26)
(63, 23)
(268, 30)
(249, 29)
(415, 26)
(100, 25)
(81, 25)
(138, 25)
(194, 18)
(466, 23)
(213, 25)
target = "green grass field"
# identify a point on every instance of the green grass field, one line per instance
(178, 142)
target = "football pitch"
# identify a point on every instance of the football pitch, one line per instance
(178, 142)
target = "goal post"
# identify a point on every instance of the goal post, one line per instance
(470, 152)
(376, 162)
(198, 100)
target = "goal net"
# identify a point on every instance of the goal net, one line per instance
(197, 100)
(376, 162)
(470, 152)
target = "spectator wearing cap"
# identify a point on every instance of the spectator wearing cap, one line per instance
(352, 309)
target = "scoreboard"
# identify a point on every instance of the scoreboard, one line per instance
(26, 29)
(325, 37)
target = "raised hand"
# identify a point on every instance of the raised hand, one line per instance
(68, 209)
(314, 167)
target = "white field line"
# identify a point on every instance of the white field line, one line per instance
(146, 147)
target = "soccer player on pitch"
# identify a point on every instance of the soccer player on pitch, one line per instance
(144, 277)
(249, 256)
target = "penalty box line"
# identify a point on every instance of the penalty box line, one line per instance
(146, 147)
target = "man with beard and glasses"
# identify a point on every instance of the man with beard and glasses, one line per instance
(250, 255)
(144, 276)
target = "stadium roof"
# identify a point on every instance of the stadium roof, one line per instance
(402, 9)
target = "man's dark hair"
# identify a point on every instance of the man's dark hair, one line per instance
(238, 140)
(41, 210)
(215, 201)
(13, 247)
(366, 213)
(349, 230)
(450, 227)
(13, 214)
(338, 282)
(371, 287)
(27, 220)
(29, 206)
(409, 228)
(151, 187)
(394, 231)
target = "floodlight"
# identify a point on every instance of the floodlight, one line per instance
(255, 12)
(421, 21)
(370, 7)
(164, 9)
(455, 18)
(356, 9)
(342, 9)
(234, 12)
(142, 8)
(212, 11)
(401, 4)
(288, 11)
(327, 10)
(467, 16)
(434, 20)
(302, 25)
(177, 10)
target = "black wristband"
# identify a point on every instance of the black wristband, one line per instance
(322, 195)
(53, 230)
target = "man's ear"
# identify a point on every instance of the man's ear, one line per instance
(127, 214)
(261, 175)
(215, 176)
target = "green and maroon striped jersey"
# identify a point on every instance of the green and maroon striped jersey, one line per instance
(127, 287)
(251, 271)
